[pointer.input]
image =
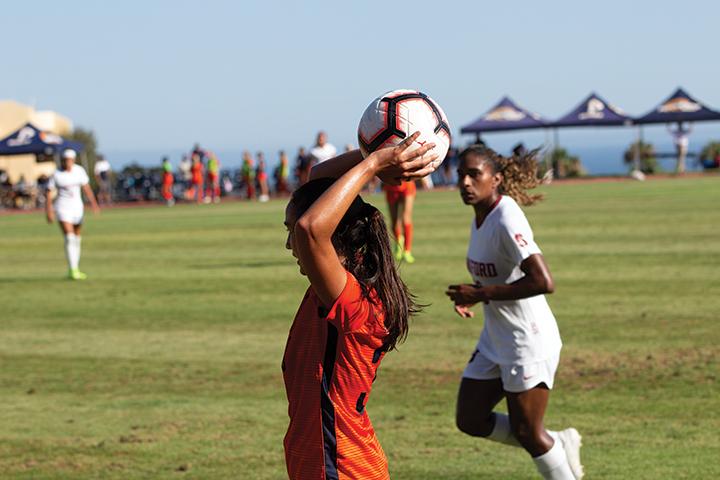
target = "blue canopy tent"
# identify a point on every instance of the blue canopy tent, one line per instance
(29, 139)
(679, 108)
(505, 115)
(593, 111)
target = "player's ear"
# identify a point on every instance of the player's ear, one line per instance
(497, 179)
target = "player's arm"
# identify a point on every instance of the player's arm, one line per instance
(338, 166)
(91, 196)
(537, 281)
(312, 233)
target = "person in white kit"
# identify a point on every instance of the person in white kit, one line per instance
(68, 207)
(519, 347)
(322, 150)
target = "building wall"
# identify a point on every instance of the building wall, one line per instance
(14, 115)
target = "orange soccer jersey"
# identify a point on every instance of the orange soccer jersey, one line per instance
(393, 193)
(329, 365)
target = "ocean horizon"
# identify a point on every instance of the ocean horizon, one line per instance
(597, 160)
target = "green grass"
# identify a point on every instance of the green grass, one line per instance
(166, 362)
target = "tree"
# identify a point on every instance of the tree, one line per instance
(89, 155)
(648, 159)
(710, 155)
(566, 165)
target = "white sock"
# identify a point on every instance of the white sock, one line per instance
(501, 432)
(553, 464)
(70, 250)
(78, 241)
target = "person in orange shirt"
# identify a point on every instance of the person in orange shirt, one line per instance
(400, 199)
(197, 178)
(355, 310)
(167, 182)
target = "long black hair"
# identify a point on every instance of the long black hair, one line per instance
(362, 239)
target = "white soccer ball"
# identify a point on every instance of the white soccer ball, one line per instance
(397, 114)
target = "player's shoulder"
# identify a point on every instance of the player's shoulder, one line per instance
(509, 212)
(509, 208)
(361, 306)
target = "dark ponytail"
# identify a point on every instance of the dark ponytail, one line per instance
(362, 239)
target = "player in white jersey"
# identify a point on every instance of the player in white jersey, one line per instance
(68, 207)
(519, 347)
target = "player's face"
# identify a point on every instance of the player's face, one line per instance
(476, 180)
(290, 219)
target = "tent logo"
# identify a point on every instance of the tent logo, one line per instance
(677, 105)
(594, 110)
(50, 138)
(506, 114)
(24, 137)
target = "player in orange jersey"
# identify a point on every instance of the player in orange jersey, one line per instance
(197, 178)
(400, 199)
(167, 182)
(355, 310)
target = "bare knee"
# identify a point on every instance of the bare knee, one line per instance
(475, 425)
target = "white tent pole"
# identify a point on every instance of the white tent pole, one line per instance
(636, 156)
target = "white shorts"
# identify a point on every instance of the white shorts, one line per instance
(515, 378)
(73, 216)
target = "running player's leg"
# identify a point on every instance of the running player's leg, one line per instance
(393, 208)
(476, 401)
(77, 229)
(481, 390)
(527, 410)
(407, 215)
(72, 251)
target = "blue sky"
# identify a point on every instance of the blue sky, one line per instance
(266, 75)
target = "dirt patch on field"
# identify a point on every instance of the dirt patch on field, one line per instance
(588, 369)
(591, 370)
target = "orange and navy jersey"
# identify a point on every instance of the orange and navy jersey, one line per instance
(330, 362)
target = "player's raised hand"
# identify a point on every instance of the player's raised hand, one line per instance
(399, 163)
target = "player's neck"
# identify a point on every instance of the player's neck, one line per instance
(484, 207)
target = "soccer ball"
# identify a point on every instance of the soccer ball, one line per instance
(392, 117)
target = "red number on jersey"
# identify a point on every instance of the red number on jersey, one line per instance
(520, 240)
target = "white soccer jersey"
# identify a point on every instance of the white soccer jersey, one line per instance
(516, 331)
(324, 153)
(67, 184)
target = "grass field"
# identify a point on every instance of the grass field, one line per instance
(166, 362)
